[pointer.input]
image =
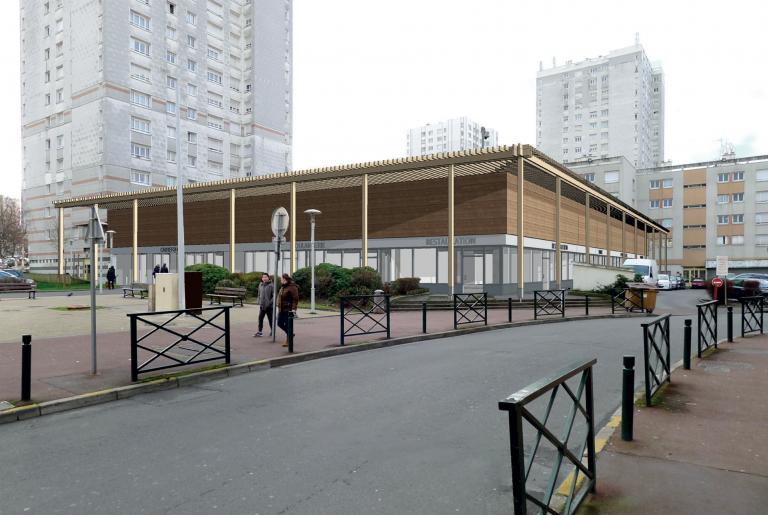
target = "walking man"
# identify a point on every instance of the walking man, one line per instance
(266, 294)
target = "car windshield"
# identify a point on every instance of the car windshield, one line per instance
(640, 269)
(663, 277)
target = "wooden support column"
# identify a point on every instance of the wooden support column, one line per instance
(634, 240)
(364, 246)
(232, 196)
(135, 253)
(292, 224)
(608, 233)
(587, 249)
(451, 231)
(624, 234)
(645, 233)
(558, 241)
(61, 241)
(520, 228)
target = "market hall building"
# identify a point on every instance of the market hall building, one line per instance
(453, 219)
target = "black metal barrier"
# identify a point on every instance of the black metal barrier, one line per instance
(516, 404)
(656, 351)
(469, 308)
(185, 346)
(364, 314)
(627, 300)
(706, 313)
(548, 303)
(751, 315)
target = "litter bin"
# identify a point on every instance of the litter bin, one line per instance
(378, 299)
(640, 295)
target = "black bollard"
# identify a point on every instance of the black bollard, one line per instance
(290, 334)
(509, 309)
(627, 398)
(424, 317)
(586, 305)
(730, 324)
(26, 367)
(687, 345)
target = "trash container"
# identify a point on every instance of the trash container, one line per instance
(378, 299)
(640, 296)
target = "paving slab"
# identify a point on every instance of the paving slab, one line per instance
(703, 449)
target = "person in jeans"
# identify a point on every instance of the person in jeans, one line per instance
(287, 302)
(266, 295)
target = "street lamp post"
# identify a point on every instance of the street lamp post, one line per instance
(312, 214)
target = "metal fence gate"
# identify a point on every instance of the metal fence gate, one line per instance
(548, 303)
(751, 315)
(364, 314)
(469, 308)
(706, 313)
(656, 351)
(170, 345)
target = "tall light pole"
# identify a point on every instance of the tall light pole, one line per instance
(180, 248)
(312, 214)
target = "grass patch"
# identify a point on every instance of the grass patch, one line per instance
(183, 373)
(320, 306)
(656, 400)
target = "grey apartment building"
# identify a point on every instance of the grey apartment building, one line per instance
(118, 95)
(712, 208)
(453, 135)
(611, 105)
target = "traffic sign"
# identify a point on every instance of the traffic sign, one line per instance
(722, 265)
(717, 282)
(279, 222)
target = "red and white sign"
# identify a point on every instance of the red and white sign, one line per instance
(717, 282)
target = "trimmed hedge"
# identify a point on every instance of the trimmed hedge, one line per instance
(332, 281)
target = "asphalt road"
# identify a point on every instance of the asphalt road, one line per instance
(410, 429)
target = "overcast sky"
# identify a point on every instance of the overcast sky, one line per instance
(365, 72)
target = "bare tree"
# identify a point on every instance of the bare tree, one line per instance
(13, 235)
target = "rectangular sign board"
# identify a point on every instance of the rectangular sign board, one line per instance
(722, 266)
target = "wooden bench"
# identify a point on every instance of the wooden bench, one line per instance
(132, 290)
(234, 294)
(19, 287)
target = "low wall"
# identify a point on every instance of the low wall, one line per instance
(590, 277)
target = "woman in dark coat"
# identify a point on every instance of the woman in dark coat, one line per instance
(287, 303)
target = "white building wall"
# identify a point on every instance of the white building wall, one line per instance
(451, 135)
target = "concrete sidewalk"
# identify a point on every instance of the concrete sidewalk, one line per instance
(702, 450)
(60, 365)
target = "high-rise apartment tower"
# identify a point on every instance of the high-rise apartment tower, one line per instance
(611, 105)
(123, 94)
(451, 135)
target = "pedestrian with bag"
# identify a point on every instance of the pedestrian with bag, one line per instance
(287, 303)
(266, 297)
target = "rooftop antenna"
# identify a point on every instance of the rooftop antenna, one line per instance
(637, 38)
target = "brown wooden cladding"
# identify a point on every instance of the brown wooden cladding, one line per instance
(485, 204)
(341, 218)
(539, 212)
(572, 221)
(253, 216)
(694, 257)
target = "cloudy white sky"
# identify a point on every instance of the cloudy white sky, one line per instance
(365, 72)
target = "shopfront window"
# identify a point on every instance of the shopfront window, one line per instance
(425, 265)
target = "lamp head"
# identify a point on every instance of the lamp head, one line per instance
(313, 212)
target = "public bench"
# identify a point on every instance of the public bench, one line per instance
(30, 289)
(133, 289)
(234, 294)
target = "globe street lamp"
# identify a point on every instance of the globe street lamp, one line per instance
(312, 214)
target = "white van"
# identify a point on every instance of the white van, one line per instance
(648, 268)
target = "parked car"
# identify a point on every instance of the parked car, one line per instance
(17, 273)
(698, 283)
(741, 285)
(8, 276)
(664, 282)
